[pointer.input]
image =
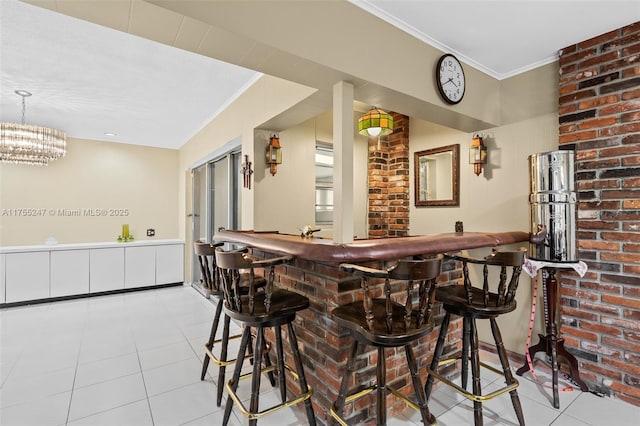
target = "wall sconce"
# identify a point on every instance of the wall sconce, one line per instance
(477, 154)
(274, 154)
(375, 122)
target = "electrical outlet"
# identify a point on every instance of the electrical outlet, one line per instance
(151, 232)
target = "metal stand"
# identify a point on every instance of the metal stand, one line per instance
(551, 344)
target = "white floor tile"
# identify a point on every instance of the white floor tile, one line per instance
(163, 355)
(106, 395)
(17, 390)
(134, 360)
(184, 404)
(134, 414)
(47, 411)
(171, 376)
(602, 411)
(106, 369)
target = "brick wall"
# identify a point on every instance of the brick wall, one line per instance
(388, 169)
(599, 118)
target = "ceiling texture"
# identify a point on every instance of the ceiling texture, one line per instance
(110, 73)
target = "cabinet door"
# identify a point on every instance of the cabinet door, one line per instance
(106, 269)
(69, 272)
(2, 278)
(139, 266)
(27, 276)
(170, 264)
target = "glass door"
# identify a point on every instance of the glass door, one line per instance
(216, 201)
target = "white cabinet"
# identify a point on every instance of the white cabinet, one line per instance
(139, 266)
(69, 272)
(106, 269)
(169, 264)
(27, 276)
(2, 278)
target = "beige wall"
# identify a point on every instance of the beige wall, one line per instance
(285, 202)
(233, 127)
(497, 200)
(139, 183)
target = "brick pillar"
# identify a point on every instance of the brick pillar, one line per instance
(599, 118)
(389, 182)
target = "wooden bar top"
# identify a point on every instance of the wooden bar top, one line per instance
(325, 250)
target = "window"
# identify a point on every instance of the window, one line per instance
(324, 183)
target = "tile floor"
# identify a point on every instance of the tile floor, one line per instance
(134, 359)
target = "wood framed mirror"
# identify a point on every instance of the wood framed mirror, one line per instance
(437, 176)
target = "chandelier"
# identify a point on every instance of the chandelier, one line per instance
(35, 145)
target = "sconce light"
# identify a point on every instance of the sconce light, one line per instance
(477, 154)
(375, 122)
(274, 154)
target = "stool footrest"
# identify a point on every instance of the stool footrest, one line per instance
(355, 395)
(470, 395)
(217, 360)
(289, 403)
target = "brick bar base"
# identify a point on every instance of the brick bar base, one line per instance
(324, 345)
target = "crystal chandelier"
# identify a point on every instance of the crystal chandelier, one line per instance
(35, 145)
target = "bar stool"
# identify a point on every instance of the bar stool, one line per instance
(205, 253)
(259, 310)
(385, 323)
(472, 303)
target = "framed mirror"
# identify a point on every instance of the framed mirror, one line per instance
(437, 177)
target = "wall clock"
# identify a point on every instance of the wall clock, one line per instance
(450, 79)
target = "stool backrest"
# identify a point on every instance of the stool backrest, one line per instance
(507, 286)
(419, 276)
(205, 253)
(237, 269)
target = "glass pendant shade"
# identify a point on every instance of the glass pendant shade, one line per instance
(375, 123)
(34, 145)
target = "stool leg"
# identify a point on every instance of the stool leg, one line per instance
(223, 357)
(427, 417)
(381, 383)
(475, 371)
(504, 360)
(246, 334)
(267, 360)
(466, 330)
(212, 338)
(282, 383)
(437, 353)
(344, 386)
(311, 417)
(255, 377)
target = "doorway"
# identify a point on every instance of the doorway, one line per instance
(216, 201)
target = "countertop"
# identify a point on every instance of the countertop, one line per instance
(80, 246)
(325, 250)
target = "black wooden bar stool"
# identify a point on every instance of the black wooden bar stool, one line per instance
(472, 303)
(385, 323)
(259, 310)
(205, 253)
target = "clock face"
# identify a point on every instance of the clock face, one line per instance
(450, 79)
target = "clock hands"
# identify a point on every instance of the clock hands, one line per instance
(450, 81)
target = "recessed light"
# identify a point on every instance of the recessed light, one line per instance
(110, 134)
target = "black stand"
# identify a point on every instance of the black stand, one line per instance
(551, 344)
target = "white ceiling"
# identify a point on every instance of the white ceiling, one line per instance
(89, 80)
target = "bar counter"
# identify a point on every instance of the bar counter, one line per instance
(324, 345)
(325, 250)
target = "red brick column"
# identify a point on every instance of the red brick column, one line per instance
(599, 118)
(389, 181)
